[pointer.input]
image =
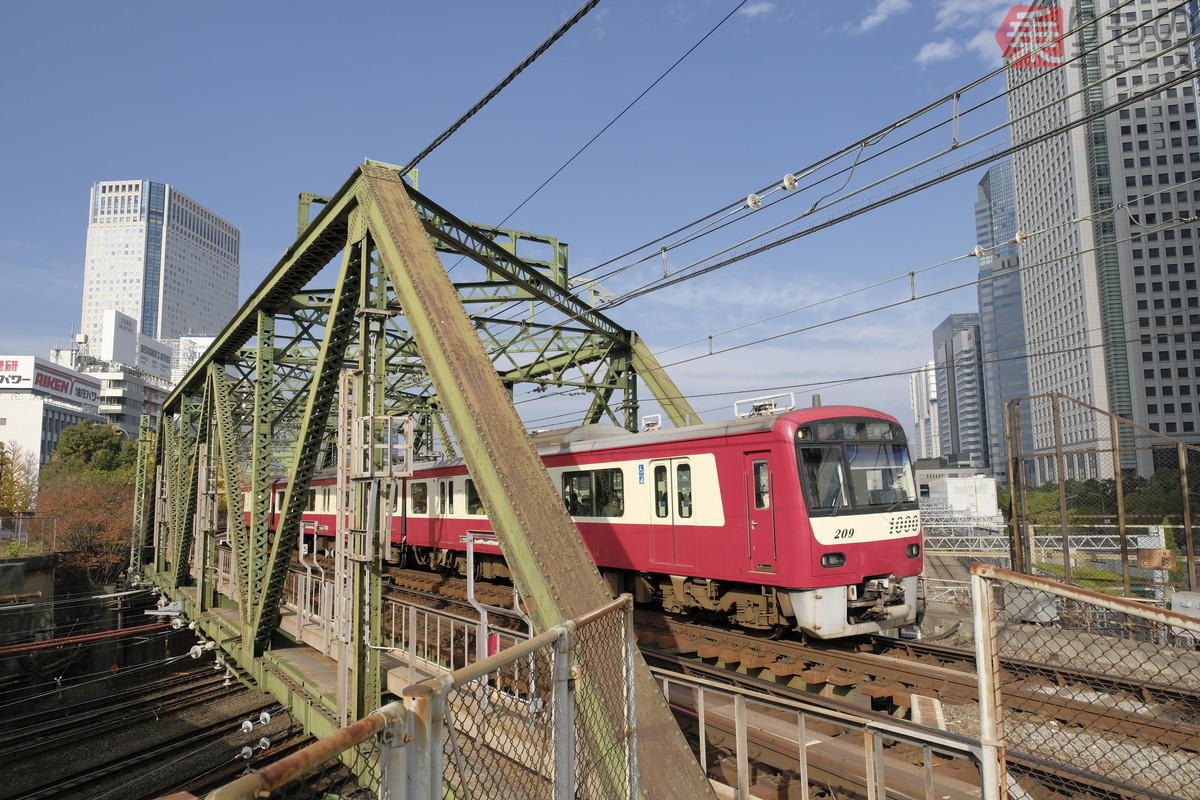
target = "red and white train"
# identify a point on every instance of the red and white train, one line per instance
(805, 519)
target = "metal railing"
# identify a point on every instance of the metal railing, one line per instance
(551, 717)
(745, 738)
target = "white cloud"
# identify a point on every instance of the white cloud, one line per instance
(758, 9)
(985, 46)
(971, 13)
(883, 9)
(933, 52)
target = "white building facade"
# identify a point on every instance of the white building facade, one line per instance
(1109, 273)
(38, 399)
(923, 397)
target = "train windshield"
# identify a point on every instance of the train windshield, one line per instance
(854, 465)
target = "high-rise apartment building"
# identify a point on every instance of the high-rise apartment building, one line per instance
(156, 255)
(1001, 310)
(1108, 271)
(962, 418)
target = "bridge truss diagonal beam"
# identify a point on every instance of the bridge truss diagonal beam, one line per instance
(260, 402)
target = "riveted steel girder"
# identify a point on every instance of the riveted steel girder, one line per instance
(263, 393)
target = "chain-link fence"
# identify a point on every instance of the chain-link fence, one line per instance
(551, 717)
(1101, 503)
(1095, 501)
(26, 535)
(1104, 689)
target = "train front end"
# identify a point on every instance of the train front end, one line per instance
(865, 551)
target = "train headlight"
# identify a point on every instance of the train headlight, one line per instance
(832, 560)
(913, 550)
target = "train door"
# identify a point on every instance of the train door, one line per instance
(443, 509)
(671, 481)
(760, 512)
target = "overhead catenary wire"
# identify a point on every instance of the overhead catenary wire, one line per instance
(972, 164)
(579, 14)
(1022, 267)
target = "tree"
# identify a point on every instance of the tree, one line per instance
(18, 478)
(88, 490)
(87, 447)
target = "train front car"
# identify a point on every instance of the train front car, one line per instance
(864, 550)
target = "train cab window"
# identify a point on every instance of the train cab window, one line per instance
(880, 474)
(577, 493)
(762, 485)
(474, 503)
(683, 490)
(824, 477)
(419, 492)
(446, 497)
(610, 492)
(661, 509)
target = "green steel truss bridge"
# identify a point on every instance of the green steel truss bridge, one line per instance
(361, 342)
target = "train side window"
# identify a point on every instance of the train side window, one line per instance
(683, 489)
(577, 493)
(446, 497)
(474, 504)
(610, 492)
(420, 497)
(312, 499)
(661, 509)
(762, 485)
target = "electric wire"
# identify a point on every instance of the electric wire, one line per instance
(1182, 220)
(579, 14)
(971, 164)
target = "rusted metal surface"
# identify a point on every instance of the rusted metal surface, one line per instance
(268, 779)
(1120, 605)
(541, 545)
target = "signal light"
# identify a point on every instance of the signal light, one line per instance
(832, 560)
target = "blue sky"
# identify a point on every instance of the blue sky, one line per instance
(242, 106)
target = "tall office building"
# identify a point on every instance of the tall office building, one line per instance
(1108, 272)
(1001, 310)
(156, 255)
(923, 396)
(962, 418)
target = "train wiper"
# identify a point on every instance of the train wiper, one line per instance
(837, 502)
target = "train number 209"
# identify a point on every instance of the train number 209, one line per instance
(844, 533)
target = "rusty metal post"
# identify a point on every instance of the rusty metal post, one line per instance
(1188, 534)
(423, 755)
(1062, 488)
(1020, 547)
(987, 667)
(1120, 489)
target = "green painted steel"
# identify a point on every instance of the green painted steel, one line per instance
(543, 549)
(259, 406)
(268, 586)
(143, 495)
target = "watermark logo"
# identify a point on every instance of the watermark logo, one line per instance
(1032, 36)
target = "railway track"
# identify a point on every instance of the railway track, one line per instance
(888, 676)
(142, 742)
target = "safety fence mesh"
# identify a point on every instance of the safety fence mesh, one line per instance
(561, 713)
(1108, 689)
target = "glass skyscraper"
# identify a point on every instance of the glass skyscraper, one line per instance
(1001, 311)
